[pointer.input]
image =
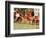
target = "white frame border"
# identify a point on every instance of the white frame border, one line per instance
(12, 31)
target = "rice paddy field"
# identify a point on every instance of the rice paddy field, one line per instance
(25, 26)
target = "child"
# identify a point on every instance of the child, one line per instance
(36, 16)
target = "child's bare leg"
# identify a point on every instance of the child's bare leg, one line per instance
(16, 19)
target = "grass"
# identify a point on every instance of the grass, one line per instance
(25, 26)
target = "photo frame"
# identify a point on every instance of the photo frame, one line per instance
(28, 13)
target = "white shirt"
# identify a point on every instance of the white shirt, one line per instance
(36, 13)
(17, 15)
